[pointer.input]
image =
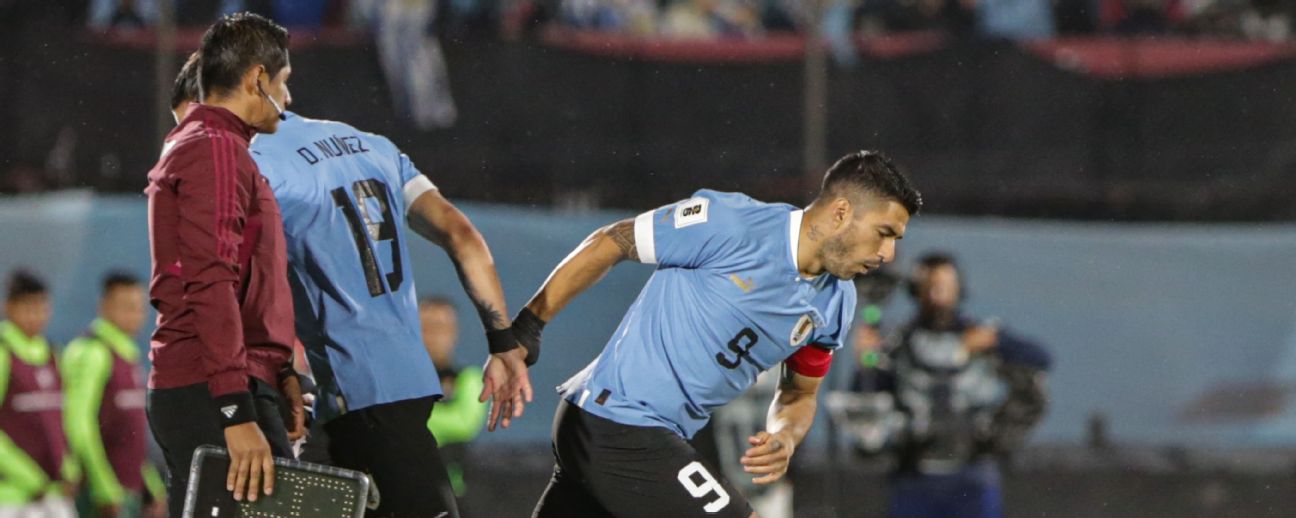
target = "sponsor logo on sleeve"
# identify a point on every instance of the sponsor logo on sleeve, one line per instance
(691, 212)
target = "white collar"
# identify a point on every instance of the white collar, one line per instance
(794, 237)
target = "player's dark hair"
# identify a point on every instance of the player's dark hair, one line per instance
(873, 173)
(235, 43)
(119, 279)
(437, 300)
(23, 283)
(185, 87)
(930, 261)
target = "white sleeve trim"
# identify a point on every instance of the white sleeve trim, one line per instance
(643, 229)
(415, 187)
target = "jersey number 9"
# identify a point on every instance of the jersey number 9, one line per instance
(709, 485)
(741, 345)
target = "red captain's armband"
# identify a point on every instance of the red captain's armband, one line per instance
(810, 361)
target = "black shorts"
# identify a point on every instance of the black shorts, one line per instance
(391, 442)
(605, 468)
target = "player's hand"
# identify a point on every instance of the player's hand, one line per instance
(506, 383)
(295, 419)
(769, 456)
(251, 465)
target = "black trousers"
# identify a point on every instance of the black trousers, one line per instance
(184, 418)
(391, 443)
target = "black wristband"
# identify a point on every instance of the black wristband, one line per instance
(527, 328)
(500, 340)
(288, 371)
(236, 408)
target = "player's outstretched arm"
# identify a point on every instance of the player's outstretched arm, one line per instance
(588, 263)
(584, 267)
(505, 379)
(789, 419)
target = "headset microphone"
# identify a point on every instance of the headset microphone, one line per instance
(279, 110)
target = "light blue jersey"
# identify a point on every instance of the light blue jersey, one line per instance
(344, 194)
(725, 304)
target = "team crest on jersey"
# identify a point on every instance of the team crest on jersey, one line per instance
(691, 212)
(802, 330)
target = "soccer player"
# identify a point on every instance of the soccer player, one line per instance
(104, 410)
(36, 471)
(184, 91)
(221, 350)
(740, 286)
(344, 194)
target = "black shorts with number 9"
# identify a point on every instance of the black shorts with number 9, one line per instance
(605, 468)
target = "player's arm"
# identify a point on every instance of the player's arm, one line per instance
(790, 415)
(439, 221)
(584, 267)
(686, 234)
(86, 367)
(506, 381)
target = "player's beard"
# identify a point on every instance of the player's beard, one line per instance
(834, 256)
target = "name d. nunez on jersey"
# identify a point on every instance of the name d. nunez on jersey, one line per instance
(332, 147)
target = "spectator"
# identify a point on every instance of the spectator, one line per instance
(1015, 19)
(1267, 20)
(412, 60)
(458, 418)
(122, 14)
(36, 472)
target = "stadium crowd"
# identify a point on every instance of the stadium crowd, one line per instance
(1258, 20)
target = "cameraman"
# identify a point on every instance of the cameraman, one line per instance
(967, 392)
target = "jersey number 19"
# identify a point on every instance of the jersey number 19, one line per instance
(376, 227)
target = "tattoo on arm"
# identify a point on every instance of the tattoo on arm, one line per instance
(491, 317)
(623, 234)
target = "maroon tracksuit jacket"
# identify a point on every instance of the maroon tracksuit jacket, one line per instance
(220, 280)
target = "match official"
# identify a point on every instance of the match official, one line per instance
(224, 338)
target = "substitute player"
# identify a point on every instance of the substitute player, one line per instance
(345, 194)
(219, 282)
(37, 474)
(103, 412)
(740, 286)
